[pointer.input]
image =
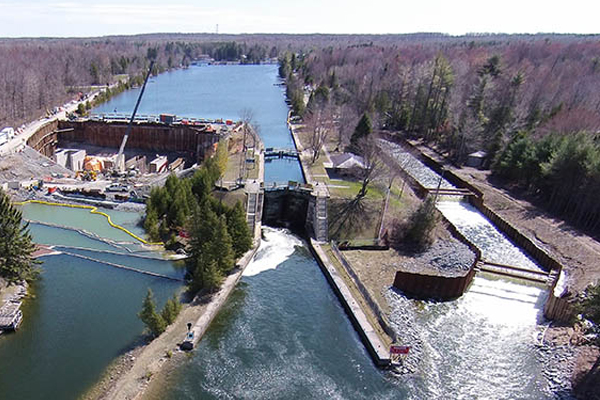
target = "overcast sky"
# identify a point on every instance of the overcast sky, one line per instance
(33, 18)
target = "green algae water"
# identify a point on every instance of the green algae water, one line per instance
(82, 313)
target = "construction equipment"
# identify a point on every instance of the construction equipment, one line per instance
(86, 175)
(120, 161)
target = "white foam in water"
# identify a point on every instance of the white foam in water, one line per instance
(493, 244)
(504, 303)
(276, 246)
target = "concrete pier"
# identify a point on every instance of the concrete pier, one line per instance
(371, 339)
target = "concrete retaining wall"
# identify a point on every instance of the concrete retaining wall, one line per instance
(286, 208)
(381, 317)
(369, 336)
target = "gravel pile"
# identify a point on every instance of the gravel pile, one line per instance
(28, 164)
(444, 257)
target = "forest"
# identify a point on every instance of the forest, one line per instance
(531, 103)
(215, 234)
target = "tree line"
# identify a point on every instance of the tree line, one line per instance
(531, 103)
(37, 75)
(218, 234)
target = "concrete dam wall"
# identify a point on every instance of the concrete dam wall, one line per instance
(193, 142)
(300, 208)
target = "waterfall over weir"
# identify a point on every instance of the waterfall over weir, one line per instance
(494, 246)
(482, 345)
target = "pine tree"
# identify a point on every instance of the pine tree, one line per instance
(238, 230)
(171, 310)
(221, 246)
(16, 246)
(153, 320)
(151, 223)
(363, 129)
(206, 276)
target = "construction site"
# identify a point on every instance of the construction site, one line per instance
(110, 159)
(82, 157)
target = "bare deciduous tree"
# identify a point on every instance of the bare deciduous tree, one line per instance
(319, 126)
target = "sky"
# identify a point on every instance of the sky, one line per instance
(56, 18)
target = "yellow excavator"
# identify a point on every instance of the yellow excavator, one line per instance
(86, 175)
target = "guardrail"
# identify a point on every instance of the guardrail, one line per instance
(381, 317)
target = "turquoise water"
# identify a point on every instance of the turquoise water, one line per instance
(83, 313)
(220, 91)
(83, 219)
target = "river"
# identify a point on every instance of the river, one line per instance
(224, 91)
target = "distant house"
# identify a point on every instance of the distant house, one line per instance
(344, 163)
(476, 159)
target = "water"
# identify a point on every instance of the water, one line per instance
(82, 219)
(494, 246)
(83, 313)
(221, 91)
(481, 346)
(281, 335)
(415, 168)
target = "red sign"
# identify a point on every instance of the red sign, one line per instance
(399, 349)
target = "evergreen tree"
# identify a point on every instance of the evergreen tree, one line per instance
(363, 129)
(221, 247)
(171, 310)
(206, 276)
(153, 320)
(151, 223)
(238, 230)
(16, 246)
(201, 184)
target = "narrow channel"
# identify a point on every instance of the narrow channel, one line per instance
(484, 344)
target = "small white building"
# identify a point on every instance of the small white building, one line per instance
(344, 163)
(476, 159)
